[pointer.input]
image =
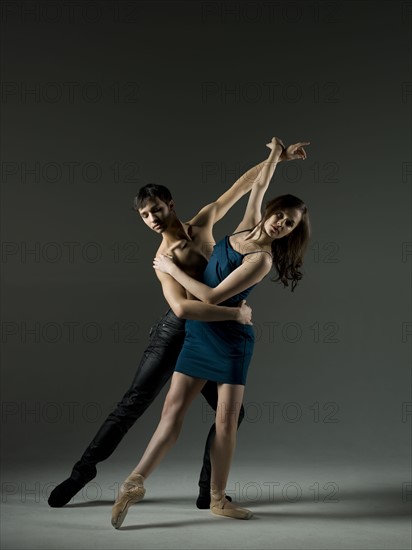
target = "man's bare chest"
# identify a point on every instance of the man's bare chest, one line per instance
(190, 255)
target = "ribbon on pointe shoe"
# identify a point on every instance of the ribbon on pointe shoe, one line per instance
(220, 506)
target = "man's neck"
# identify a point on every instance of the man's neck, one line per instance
(176, 231)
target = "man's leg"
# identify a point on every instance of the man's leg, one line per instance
(209, 392)
(155, 369)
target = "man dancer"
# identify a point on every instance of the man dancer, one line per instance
(191, 244)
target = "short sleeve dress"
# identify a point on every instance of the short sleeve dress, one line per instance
(219, 351)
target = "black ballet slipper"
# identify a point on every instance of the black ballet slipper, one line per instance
(64, 492)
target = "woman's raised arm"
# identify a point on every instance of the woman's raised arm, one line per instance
(279, 152)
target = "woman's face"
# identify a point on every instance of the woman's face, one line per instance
(282, 222)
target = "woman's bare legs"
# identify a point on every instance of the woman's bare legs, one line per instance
(183, 389)
(230, 399)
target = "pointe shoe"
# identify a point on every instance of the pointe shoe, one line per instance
(203, 500)
(220, 506)
(131, 491)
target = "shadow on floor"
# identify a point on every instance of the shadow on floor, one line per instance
(348, 504)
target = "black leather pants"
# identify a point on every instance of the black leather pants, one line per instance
(155, 369)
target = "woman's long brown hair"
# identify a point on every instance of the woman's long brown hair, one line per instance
(288, 251)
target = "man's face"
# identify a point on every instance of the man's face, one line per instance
(156, 214)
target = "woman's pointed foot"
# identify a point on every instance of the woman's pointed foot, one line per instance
(131, 491)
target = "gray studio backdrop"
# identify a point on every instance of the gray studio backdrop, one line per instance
(101, 99)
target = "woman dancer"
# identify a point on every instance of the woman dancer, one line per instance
(221, 351)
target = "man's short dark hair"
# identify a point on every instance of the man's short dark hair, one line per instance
(150, 191)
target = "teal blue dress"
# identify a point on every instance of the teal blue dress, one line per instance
(219, 351)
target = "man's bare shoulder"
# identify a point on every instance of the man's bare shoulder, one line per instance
(198, 232)
(205, 215)
(161, 249)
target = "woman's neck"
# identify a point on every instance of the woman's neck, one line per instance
(258, 236)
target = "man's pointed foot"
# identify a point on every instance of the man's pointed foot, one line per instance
(64, 492)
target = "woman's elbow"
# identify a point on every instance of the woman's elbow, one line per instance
(180, 311)
(211, 300)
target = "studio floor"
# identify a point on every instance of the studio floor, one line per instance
(327, 507)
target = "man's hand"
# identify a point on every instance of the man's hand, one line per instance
(244, 313)
(295, 151)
